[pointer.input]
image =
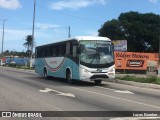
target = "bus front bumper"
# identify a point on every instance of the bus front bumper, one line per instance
(96, 76)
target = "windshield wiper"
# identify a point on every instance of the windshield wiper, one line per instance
(96, 55)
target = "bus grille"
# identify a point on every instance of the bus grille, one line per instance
(99, 76)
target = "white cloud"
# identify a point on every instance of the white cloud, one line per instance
(42, 31)
(10, 4)
(46, 25)
(14, 38)
(52, 27)
(153, 1)
(74, 4)
(15, 35)
(91, 32)
(19, 35)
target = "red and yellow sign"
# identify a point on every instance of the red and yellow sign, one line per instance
(133, 60)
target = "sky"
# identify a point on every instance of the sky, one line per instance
(53, 18)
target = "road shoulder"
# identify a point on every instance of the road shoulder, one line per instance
(137, 84)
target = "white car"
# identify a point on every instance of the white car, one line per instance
(2, 62)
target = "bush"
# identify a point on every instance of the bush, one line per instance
(13, 65)
(150, 79)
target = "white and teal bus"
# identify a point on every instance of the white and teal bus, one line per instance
(84, 58)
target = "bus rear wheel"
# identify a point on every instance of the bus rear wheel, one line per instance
(68, 77)
(97, 82)
(45, 74)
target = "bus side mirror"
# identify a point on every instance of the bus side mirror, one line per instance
(113, 46)
(78, 49)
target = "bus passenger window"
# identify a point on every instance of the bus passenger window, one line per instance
(71, 48)
(68, 48)
(54, 51)
(63, 49)
(74, 51)
(57, 50)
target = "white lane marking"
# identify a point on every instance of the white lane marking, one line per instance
(136, 118)
(105, 88)
(150, 89)
(142, 87)
(59, 93)
(118, 91)
(157, 107)
(46, 90)
(124, 91)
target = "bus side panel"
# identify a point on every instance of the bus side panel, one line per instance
(74, 67)
(39, 66)
(54, 66)
(57, 66)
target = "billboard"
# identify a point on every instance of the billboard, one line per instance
(134, 60)
(120, 45)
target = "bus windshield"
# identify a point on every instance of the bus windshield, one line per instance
(96, 53)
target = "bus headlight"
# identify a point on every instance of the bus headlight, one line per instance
(84, 70)
(111, 70)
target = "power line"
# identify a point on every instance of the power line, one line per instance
(35, 28)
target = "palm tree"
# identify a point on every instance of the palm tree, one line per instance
(28, 43)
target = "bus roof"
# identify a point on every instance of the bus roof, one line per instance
(79, 38)
(91, 38)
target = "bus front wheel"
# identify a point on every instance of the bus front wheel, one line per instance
(97, 82)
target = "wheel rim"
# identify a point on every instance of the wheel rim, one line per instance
(98, 82)
(45, 73)
(68, 77)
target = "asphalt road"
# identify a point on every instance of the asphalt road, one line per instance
(26, 91)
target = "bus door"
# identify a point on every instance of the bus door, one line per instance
(71, 52)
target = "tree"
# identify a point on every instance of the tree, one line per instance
(28, 44)
(140, 30)
(6, 53)
(15, 53)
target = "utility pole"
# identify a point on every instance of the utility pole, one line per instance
(3, 35)
(69, 31)
(159, 56)
(32, 45)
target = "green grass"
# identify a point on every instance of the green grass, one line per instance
(150, 79)
(23, 67)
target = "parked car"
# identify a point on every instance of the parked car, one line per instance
(2, 62)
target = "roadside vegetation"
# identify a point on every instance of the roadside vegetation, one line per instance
(18, 66)
(23, 67)
(140, 30)
(149, 79)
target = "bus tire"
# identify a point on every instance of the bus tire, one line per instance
(68, 77)
(45, 74)
(97, 82)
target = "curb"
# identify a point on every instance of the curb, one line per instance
(137, 84)
(17, 69)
